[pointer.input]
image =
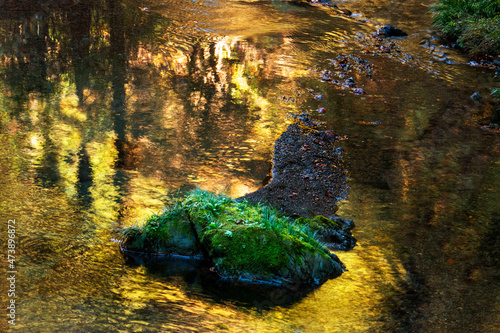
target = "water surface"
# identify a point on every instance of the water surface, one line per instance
(108, 108)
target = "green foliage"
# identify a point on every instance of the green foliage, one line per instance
(204, 207)
(128, 233)
(203, 201)
(474, 25)
(496, 93)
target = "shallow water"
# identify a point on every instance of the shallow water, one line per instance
(107, 109)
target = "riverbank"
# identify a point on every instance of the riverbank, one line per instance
(473, 26)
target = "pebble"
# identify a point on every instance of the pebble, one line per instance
(358, 91)
(390, 31)
(476, 96)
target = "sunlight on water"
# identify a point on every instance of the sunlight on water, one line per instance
(108, 109)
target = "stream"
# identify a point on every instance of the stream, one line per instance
(110, 108)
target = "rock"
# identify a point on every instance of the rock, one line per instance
(476, 96)
(326, 76)
(335, 232)
(269, 236)
(181, 239)
(358, 91)
(256, 254)
(350, 82)
(390, 31)
(242, 242)
(343, 11)
(307, 165)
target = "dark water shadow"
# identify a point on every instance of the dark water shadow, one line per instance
(196, 273)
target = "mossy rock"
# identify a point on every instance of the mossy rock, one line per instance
(258, 254)
(334, 231)
(243, 241)
(319, 223)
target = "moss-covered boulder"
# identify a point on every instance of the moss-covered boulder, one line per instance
(242, 241)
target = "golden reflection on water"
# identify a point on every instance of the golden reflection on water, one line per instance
(87, 150)
(103, 191)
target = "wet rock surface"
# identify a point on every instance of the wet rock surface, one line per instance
(342, 70)
(307, 175)
(390, 31)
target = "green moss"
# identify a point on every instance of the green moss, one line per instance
(252, 250)
(318, 223)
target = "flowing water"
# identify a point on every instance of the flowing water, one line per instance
(107, 108)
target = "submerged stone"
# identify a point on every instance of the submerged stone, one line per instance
(390, 31)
